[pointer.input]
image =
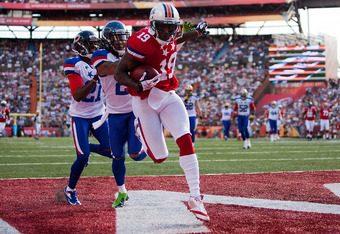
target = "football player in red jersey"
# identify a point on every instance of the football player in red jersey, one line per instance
(4, 116)
(324, 121)
(309, 114)
(155, 103)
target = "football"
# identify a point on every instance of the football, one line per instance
(138, 72)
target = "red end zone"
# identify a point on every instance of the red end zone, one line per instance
(38, 205)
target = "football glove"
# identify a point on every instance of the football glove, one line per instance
(188, 26)
(202, 27)
(146, 84)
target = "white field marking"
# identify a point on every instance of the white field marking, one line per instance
(60, 146)
(22, 142)
(157, 212)
(5, 228)
(37, 156)
(220, 174)
(272, 152)
(164, 212)
(39, 150)
(171, 155)
(335, 188)
(177, 161)
(300, 206)
(200, 149)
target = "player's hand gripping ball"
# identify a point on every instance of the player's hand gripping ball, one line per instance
(146, 75)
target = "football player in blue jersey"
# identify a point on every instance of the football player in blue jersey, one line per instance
(86, 107)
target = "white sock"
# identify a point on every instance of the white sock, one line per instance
(122, 189)
(68, 189)
(189, 164)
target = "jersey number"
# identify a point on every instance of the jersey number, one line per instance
(91, 96)
(243, 108)
(120, 90)
(164, 64)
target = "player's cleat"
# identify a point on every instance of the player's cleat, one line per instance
(196, 206)
(120, 201)
(248, 143)
(71, 197)
(225, 138)
(245, 144)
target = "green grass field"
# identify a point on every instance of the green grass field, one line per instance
(53, 157)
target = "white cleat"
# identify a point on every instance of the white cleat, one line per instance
(248, 143)
(245, 144)
(196, 206)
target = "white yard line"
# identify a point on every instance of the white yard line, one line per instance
(176, 161)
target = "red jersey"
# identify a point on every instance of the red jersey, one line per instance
(324, 113)
(310, 113)
(144, 47)
(3, 114)
(281, 111)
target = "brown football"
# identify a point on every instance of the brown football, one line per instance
(138, 72)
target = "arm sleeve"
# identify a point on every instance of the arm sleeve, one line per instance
(75, 82)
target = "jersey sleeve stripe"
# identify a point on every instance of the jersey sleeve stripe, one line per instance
(99, 60)
(135, 53)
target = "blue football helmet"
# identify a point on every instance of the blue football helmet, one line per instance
(115, 36)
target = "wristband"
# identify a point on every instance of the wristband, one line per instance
(140, 87)
(95, 78)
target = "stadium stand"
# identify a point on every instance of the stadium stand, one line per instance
(217, 67)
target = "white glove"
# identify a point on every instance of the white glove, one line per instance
(202, 27)
(150, 83)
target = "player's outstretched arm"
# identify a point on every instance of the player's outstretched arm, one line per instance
(200, 30)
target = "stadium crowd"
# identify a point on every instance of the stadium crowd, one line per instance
(217, 67)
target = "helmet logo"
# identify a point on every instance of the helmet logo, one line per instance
(77, 38)
(169, 13)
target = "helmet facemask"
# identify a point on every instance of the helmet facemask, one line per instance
(165, 32)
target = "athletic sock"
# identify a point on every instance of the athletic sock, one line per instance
(119, 170)
(189, 164)
(122, 189)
